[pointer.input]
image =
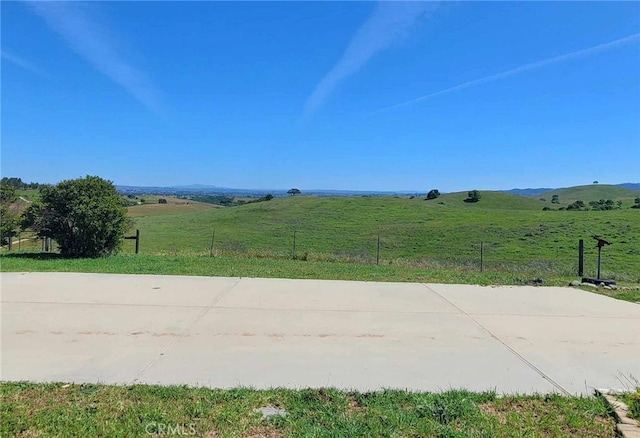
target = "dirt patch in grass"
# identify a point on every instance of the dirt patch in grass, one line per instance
(172, 207)
(263, 432)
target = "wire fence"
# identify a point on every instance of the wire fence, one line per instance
(389, 245)
(397, 245)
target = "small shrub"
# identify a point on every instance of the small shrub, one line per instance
(473, 196)
(162, 201)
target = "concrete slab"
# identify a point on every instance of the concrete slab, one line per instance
(147, 290)
(533, 300)
(361, 350)
(581, 353)
(335, 295)
(225, 332)
(85, 343)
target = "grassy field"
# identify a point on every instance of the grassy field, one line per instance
(98, 410)
(517, 235)
(29, 195)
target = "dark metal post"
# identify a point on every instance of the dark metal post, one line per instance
(378, 249)
(293, 254)
(19, 240)
(481, 256)
(599, 250)
(213, 235)
(10, 241)
(137, 241)
(580, 258)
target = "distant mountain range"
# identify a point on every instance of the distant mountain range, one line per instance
(209, 189)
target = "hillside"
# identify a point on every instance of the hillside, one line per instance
(152, 207)
(593, 192)
(516, 233)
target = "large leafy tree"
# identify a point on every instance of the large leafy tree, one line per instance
(433, 194)
(473, 196)
(8, 217)
(85, 216)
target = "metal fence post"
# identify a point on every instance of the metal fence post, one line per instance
(580, 258)
(293, 253)
(378, 249)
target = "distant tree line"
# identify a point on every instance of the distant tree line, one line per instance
(227, 201)
(600, 205)
(18, 184)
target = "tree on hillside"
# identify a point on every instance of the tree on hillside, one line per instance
(85, 216)
(293, 192)
(555, 199)
(578, 205)
(162, 201)
(473, 196)
(636, 203)
(17, 183)
(433, 194)
(8, 217)
(601, 204)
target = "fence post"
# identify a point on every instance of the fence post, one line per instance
(580, 258)
(19, 240)
(481, 256)
(137, 241)
(293, 254)
(378, 249)
(213, 235)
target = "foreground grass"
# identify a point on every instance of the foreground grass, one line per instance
(260, 267)
(97, 410)
(282, 268)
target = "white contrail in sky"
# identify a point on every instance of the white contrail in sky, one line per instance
(523, 68)
(90, 40)
(21, 63)
(389, 22)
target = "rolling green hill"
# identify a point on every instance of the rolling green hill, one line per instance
(446, 232)
(593, 192)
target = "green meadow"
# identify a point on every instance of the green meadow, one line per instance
(516, 235)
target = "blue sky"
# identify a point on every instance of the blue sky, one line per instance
(322, 95)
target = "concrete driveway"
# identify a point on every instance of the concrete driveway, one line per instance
(227, 332)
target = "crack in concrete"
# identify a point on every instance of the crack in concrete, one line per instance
(185, 330)
(507, 346)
